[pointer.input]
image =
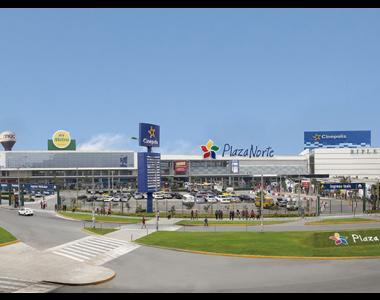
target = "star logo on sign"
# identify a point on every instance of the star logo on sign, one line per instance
(152, 132)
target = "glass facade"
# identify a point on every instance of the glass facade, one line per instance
(68, 159)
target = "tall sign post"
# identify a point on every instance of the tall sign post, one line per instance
(149, 163)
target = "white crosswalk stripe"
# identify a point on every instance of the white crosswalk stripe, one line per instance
(95, 250)
(12, 285)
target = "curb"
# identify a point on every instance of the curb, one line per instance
(96, 234)
(342, 223)
(260, 256)
(9, 243)
(84, 284)
(231, 225)
(111, 222)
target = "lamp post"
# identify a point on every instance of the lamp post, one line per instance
(93, 200)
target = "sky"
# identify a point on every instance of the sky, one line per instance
(237, 76)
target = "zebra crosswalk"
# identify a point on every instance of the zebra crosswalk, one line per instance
(94, 250)
(13, 285)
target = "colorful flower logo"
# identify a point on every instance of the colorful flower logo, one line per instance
(339, 239)
(209, 150)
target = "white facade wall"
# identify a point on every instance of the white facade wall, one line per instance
(361, 163)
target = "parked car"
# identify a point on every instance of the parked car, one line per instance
(281, 202)
(292, 205)
(211, 198)
(116, 199)
(235, 198)
(158, 195)
(245, 197)
(200, 199)
(268, 201)
(108, 199)
(223, 199)
(188, 198)
(138, 196)
(38, 195)
(26, 212)
(176, 196)
(168, 195)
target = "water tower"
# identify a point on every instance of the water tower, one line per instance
(8, 139)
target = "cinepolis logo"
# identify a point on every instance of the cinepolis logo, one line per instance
(339, 239)
(209, 150)
(317, 137)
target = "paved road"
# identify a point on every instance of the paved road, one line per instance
(148, 269)
(155, 270)
(41, 231)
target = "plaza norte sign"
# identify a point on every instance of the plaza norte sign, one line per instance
(343, 186)
(210, 149)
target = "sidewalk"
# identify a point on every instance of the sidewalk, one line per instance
(24, 262)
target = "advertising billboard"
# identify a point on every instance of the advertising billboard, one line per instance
(61, 140)
(149, 135)
(180, 167)
(337, 139)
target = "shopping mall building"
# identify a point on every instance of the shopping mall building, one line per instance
(324, 154)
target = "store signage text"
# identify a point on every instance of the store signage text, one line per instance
(359, 238)
(253, 151)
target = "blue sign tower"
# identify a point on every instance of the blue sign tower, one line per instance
(149, 173)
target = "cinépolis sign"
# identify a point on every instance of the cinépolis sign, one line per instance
(252, 151)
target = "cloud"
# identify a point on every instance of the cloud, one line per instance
(105, 141)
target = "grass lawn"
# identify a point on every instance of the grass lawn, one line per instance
(342, 221)
(111, 219)
(5, 236)
(227, 222)
(300, 243)
(101, 231)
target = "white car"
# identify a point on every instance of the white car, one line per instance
(116, 199)
(108, 199)
(158, 196)
(187, 198)
(223, 199)
(211, 199)
(26, 212)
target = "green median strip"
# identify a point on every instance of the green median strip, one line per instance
(110, 219)
(101, 231)
(292, 244)
(342, 221)
(227, 223)
(6, 237)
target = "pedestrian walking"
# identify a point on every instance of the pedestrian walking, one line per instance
(192, 215)
(238, 214)
(206, 222)
(217, 214)
(221, 214)
(196, 214)
(143, 223)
